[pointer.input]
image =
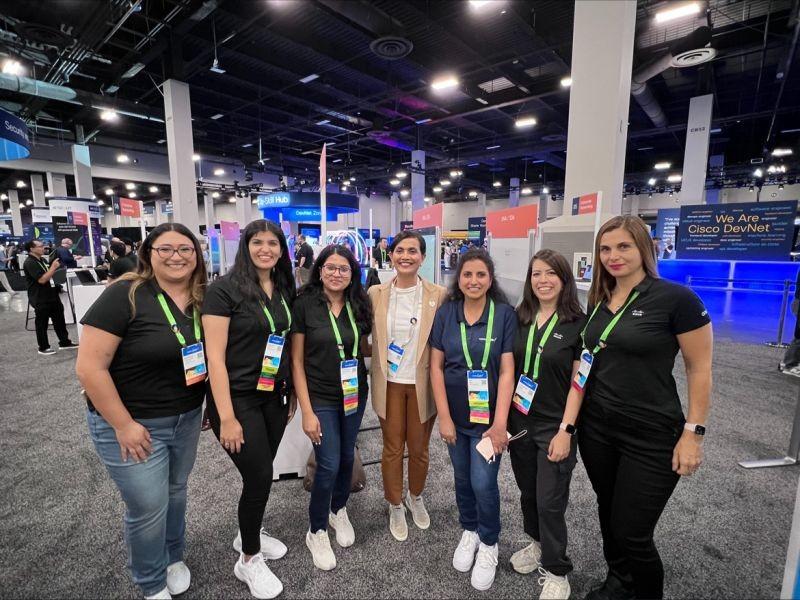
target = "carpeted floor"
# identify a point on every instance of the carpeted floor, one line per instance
(723, 535)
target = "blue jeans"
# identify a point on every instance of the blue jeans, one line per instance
(335, 456)
(477, 494)
(154, 492)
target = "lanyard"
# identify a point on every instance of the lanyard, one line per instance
(339, 336)
(551, 324)
(272, 323)
(383, 256)
(393, 294)
(174, 326)
(607, 331)
(488, 342)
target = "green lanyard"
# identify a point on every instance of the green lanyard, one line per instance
(272, 323)
(487, 344)
(174, 326)
(551, 324)
(607, 331)
(383, 256)
(335, 327)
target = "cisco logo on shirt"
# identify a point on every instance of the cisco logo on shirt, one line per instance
(637, 313)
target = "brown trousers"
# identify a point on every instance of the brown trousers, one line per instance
(402, 427)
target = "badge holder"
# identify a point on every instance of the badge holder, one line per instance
(348, 370)
(478, 393)
(579, 382)
(523, 395)
(270, 363)
(194, 363)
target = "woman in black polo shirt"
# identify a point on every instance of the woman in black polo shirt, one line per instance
(246, 319)
(634, 439)
(472, 376)
(332, 319)
(141, 363)
(547, 351)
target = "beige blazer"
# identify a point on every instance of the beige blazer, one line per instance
(432, 297)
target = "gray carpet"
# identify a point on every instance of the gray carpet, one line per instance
(724, 533)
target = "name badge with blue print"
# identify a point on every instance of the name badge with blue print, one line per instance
(394, 357)
(478, 393)
(348, 370)
(194, 363)
(587, 358)
(271, 363)
(523, 395)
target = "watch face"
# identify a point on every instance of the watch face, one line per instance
(699, 430)
(570, 429)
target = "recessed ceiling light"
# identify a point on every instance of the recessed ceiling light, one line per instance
(109, 208)
(782, 152)
(20, 183)
(404, 193)
(130, 186)
(675, 13)
(12, 67)
(662, 166)
(309, 78)
(132, 195)
(28, 202)
(758, 173)
(47, 194)
(195, 157)
(444, 182)
(109, 115)
(401, 174)
(674, 178)
(101, 202)
(651, 181)
(444, 82)
(526, 191)
(123, 159)
(394, 182)
(219, 172)
(453, 174)
(3, 196)
(497, 184)
(566, 82)
(352, 178)
(525, 122)
(153, 189)
(473, 194)
(216, 116)
(109, 192)
(437, 189)
(215, 195)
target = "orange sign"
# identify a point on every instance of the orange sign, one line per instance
(585, 204)
(79, 218)
(129, 208)
(512, 222)
(429, 217)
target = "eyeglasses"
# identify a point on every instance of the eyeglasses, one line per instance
(168, 251)
(331, 269)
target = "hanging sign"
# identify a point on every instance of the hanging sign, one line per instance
(14, 140)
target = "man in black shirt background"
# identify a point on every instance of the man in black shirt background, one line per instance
(303, 260)
(380, 255)
(43, 297)
(122, 262)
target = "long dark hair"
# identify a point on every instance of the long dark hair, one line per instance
(569, 308)
(354, 292)
(244, 274)
(494, 292)
(144, 271)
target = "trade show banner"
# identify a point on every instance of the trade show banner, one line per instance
(166, 207)
(667, 223)
(746, 231)
(431, 216)
(40, 215)
(585, 204)
(476, 228)
(65, 211)
(126, 207)
(75, 232)
(14, 139)
(229, 230)
(512, 222)
(406, 225)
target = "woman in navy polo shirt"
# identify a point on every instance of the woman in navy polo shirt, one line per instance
(472, 374)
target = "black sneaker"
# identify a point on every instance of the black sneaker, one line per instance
(68, 346)
(47, 352)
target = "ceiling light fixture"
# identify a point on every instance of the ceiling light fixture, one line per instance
(232, 199)
(352, 177)
(662, 166)
(47, 194)
(130, 186)
(219, 172)
(153, 189)
(394, 182)
(758, 173)
(495, 147)
(473, 194)
(216, 116)
(525, 122)
(476, 4)
(195, 157)
(12, 67)
(566, 82)
(109, 208)
(453, 174)
(676, 13)
(404, 193)
(28, 202)
(21, 184)
(123, 159)
(309, 78)
(246, 145)
(401, 174)
(437, 189)
(444, 83)
(526, 191)
(215, 195)
(651, 181)
(444, 182)
(109, 192)
(109, 115)
(3, 196)
(482, 101)
(674, 178)
(215, 68)
(545, 190)
(782, 152)
(101, 202)
(423, 121)
(497, 184)
(132, 195)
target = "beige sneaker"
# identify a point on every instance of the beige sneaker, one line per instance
(528, 559)
(554, 587)
(419, 513)
(397, 522)
(320, 546)
(345, 536)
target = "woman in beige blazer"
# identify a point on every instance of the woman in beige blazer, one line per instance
(403, 310)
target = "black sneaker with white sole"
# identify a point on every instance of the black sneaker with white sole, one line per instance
(68, 346)
(47, 352)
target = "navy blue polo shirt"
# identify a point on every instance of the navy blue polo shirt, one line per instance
(446, 337)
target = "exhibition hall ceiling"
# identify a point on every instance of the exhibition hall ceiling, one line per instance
(272, 80)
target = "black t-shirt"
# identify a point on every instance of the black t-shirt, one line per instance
(381, 256)
(147, 367)
(633, 373)
(563, 347)
(304, 251)
(248, 332)
(122, 265)
(38, 293)
(321, 354)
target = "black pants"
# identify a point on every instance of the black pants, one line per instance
(262, 416)
(630, 467)
(544, 494)
(50, 311)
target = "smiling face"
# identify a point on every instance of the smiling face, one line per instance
(265, 250)
(545, 284)
(619, 253)
(407, 256)
(179, 267)
(474, 280)
(336, 273)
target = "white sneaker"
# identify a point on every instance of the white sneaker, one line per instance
(554, 587)
(320, 546)
(178, 578)
(464, 555)
(528, 559)
(345, 536)
(162, 595)
(485, 567)
(419, 513)
(258, 577)
(794, 371)
(272, 548)
(397, 522)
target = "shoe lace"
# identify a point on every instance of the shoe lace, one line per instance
(548, 582)
(486, 558)
(466, 541)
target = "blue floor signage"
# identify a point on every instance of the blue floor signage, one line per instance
(742, 231)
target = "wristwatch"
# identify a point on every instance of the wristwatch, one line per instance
(695, 428)
(570, 429)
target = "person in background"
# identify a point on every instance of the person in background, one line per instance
(547, 354)
(246, 319)
(635, 441)
(66, 258)
(403, 311)
(380, 254)
(669, 252)
(3, 258)
(13, 257)
(303, 260)
(43, 296)
(143, 369)
(472, 375)
(656, 246)
(121, 262)
(130, 248)
(790, 365)
(331, 321)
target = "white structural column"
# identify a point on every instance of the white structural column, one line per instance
(394, 207)
(417, 180)
(37, 189)
(695, 157)
(82, 169)
(482, 204)
(243, 211)
(160, 216)
(599, 100)
(16, 215)
(180, 146)
(513, 192)
(208, 211)
(57, 184)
